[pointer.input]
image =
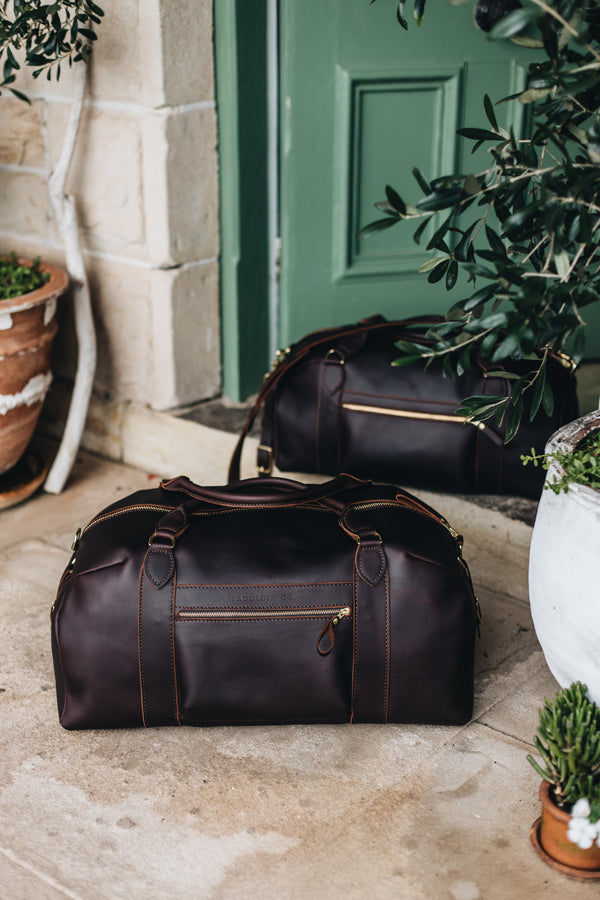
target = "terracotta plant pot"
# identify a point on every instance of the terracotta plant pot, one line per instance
(27, 329)
(551, 835)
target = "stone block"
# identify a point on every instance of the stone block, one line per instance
(127, 62)
(23, 204)
(187, 41)
(157, 332)
(187, 338)
(106, 178)
(22, 136)
(122, 302)
(192, 176)
(196, 330)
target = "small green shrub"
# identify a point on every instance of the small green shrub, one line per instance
(17, 279)
(580, 465)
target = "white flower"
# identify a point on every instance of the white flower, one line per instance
(582, 832)
(581, 810)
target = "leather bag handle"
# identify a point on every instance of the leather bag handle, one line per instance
(271, 492)
(373, 325)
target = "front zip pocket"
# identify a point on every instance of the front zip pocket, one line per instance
(253, 664)
(334, 617)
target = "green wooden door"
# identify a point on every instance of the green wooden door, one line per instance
(361, 103)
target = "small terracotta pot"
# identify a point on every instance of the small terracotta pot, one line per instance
(27, 329)
(553, 836)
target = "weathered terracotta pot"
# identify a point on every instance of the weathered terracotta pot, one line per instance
(564, 570)
(27, 329)
(553, 837)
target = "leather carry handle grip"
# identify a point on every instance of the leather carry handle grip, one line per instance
(272, 492)
(370, 326)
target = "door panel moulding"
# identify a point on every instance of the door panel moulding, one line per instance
(438, 91)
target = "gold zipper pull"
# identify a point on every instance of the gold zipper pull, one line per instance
(328, 630)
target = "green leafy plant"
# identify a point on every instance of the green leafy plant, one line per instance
(530, 240)
(419, 10)
(44, 36)
(568, 742)
(579, 466)
(17, 279)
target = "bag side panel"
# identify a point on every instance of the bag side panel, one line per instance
(296, 412)
(95, 641)
(432, 622)
(501, 469)
(431, 639)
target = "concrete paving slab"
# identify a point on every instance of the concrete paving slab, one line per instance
(516, 714)
(21, 882)
(286, 812)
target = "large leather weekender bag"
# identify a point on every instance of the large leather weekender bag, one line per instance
(267, 601)
(335, 402)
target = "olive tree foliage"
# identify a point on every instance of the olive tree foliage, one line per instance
(45, 36)
(530, 242)
(418, 12)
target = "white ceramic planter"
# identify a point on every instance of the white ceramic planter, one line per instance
(564, 571)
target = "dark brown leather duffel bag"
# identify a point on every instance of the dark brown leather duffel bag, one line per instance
(265, 602)
(335, 403)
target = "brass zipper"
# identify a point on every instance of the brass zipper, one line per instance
(410, 414)
(416, 507)
(335, 614)
(294, 613)
(118, 512)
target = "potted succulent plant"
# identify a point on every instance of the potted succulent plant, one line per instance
(46, 37)
(567, 834)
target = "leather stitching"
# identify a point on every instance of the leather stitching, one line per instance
(248, 585)
(317, 610)
(387, 648)
(355, 645)
(140, 647)
(173, 665)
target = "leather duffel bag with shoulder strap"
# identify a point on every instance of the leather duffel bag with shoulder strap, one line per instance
(335, 402)
(266, 601)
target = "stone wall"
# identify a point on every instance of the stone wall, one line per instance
(145, 179)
